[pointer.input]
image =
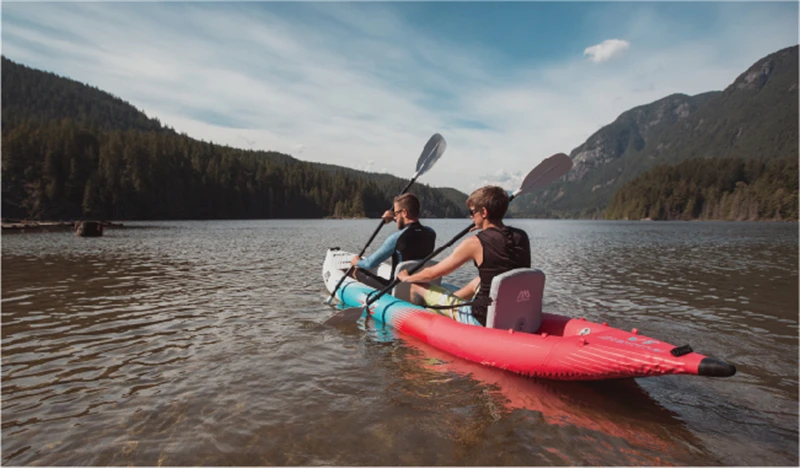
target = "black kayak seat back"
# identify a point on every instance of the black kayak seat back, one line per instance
(516, 300)
(402, 291)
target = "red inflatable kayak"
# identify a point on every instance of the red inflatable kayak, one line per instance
(562, 348)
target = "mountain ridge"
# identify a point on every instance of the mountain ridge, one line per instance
(754, 116)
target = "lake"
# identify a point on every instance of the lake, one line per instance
(200, 343)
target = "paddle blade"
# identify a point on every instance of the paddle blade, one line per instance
(431, 153)
(547, 172)
(345, 316)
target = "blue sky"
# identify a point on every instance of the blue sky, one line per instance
(365, 84)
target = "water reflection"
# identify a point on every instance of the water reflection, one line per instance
(617, 420)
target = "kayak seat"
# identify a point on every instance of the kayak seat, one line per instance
(516, 300)
(402, 291)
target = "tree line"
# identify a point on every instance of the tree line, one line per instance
(65, 169)
(72, 151)
(712, 189)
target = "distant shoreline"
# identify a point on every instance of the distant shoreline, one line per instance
(20, 226)
(48, 226)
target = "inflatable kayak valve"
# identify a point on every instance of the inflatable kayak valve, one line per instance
(712, 367)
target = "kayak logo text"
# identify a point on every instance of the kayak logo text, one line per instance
(524, 295)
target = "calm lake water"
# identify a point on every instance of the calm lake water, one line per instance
(199, 343)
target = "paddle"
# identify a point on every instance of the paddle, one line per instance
(431, 153)
(547, 172)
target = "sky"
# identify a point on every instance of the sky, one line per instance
(365, 84)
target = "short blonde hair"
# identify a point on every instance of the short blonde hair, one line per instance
(493, 198)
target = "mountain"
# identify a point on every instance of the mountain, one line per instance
(756, 116)
(32, 95)
(70, 150)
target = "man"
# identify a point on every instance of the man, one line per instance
(495, 250)
(412, 241)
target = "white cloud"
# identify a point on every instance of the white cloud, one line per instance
(361, 88)
(606, 50)
(510, 181)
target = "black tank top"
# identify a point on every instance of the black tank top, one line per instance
(415, 243)
(504, 249)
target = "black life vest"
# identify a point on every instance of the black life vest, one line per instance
(415, 243)
(504, 249)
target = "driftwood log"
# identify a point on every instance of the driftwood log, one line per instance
(88, 229)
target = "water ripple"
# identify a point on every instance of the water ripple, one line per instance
(198, 343)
